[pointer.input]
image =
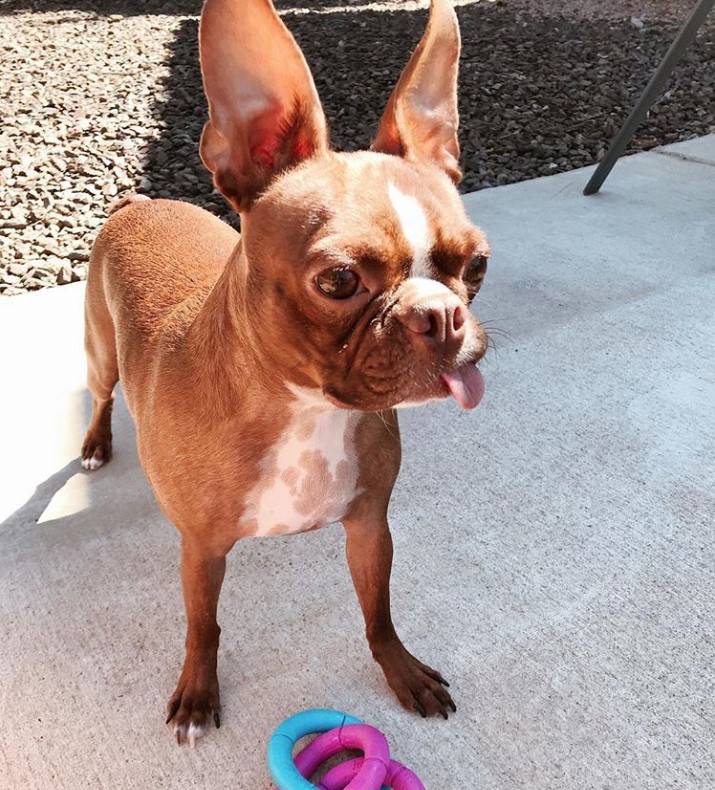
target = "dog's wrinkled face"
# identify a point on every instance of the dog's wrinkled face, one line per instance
(364, 265)
(360, 267)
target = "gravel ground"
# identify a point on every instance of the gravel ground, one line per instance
(103, 97)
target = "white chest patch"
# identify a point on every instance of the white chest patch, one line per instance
(310, 475)
(415, 228)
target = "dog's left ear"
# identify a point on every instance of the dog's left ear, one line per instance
(421, 118)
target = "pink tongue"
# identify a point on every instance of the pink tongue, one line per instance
(466, 384)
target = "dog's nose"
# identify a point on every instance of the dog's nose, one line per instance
(439, 319)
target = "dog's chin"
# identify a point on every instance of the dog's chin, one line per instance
(357, 401)
(464, 383)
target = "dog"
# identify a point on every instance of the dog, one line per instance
(263, 370)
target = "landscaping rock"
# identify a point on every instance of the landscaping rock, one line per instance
(97, 106)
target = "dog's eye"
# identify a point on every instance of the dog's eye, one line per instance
(475, 273)
(338, 283)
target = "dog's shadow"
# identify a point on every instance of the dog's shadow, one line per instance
(72, 495)
(36, 505)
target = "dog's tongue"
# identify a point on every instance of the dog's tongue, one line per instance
(466, 384)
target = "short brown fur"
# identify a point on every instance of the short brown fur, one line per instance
(229, 351)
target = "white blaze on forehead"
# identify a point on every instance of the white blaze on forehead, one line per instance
(415, 228)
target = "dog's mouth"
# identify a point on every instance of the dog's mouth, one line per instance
(465, 384)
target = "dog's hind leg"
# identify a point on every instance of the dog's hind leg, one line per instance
(102, 370)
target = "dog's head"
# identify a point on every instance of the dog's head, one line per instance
(360, 267)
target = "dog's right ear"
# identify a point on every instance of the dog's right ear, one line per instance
(265, 114)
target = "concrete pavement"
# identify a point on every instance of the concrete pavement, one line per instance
(554, 549)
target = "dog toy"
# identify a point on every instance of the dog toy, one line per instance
(372, 771)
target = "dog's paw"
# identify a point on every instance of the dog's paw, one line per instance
(190, 712)
(418, 687)
(92, 463)
(95, 453)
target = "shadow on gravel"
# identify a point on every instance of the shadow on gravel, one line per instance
(537, 95)
(352, 70)
(172, 166)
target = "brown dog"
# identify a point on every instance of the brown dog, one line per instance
(262, 371)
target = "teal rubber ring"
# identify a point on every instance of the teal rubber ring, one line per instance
(280, 747)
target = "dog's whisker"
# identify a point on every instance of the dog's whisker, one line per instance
(497, 332)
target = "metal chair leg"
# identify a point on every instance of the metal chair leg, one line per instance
(657, 82)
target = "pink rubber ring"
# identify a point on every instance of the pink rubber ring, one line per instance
(373, 766)
(398, 777)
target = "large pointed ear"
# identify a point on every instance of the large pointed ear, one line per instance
(265, 114)
(421, 118)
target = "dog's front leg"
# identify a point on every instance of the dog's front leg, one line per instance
(369, 552)
(196, 699)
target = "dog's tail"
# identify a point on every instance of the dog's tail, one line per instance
(125, 200)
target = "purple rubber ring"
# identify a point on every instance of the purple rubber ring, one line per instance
(373, 766)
